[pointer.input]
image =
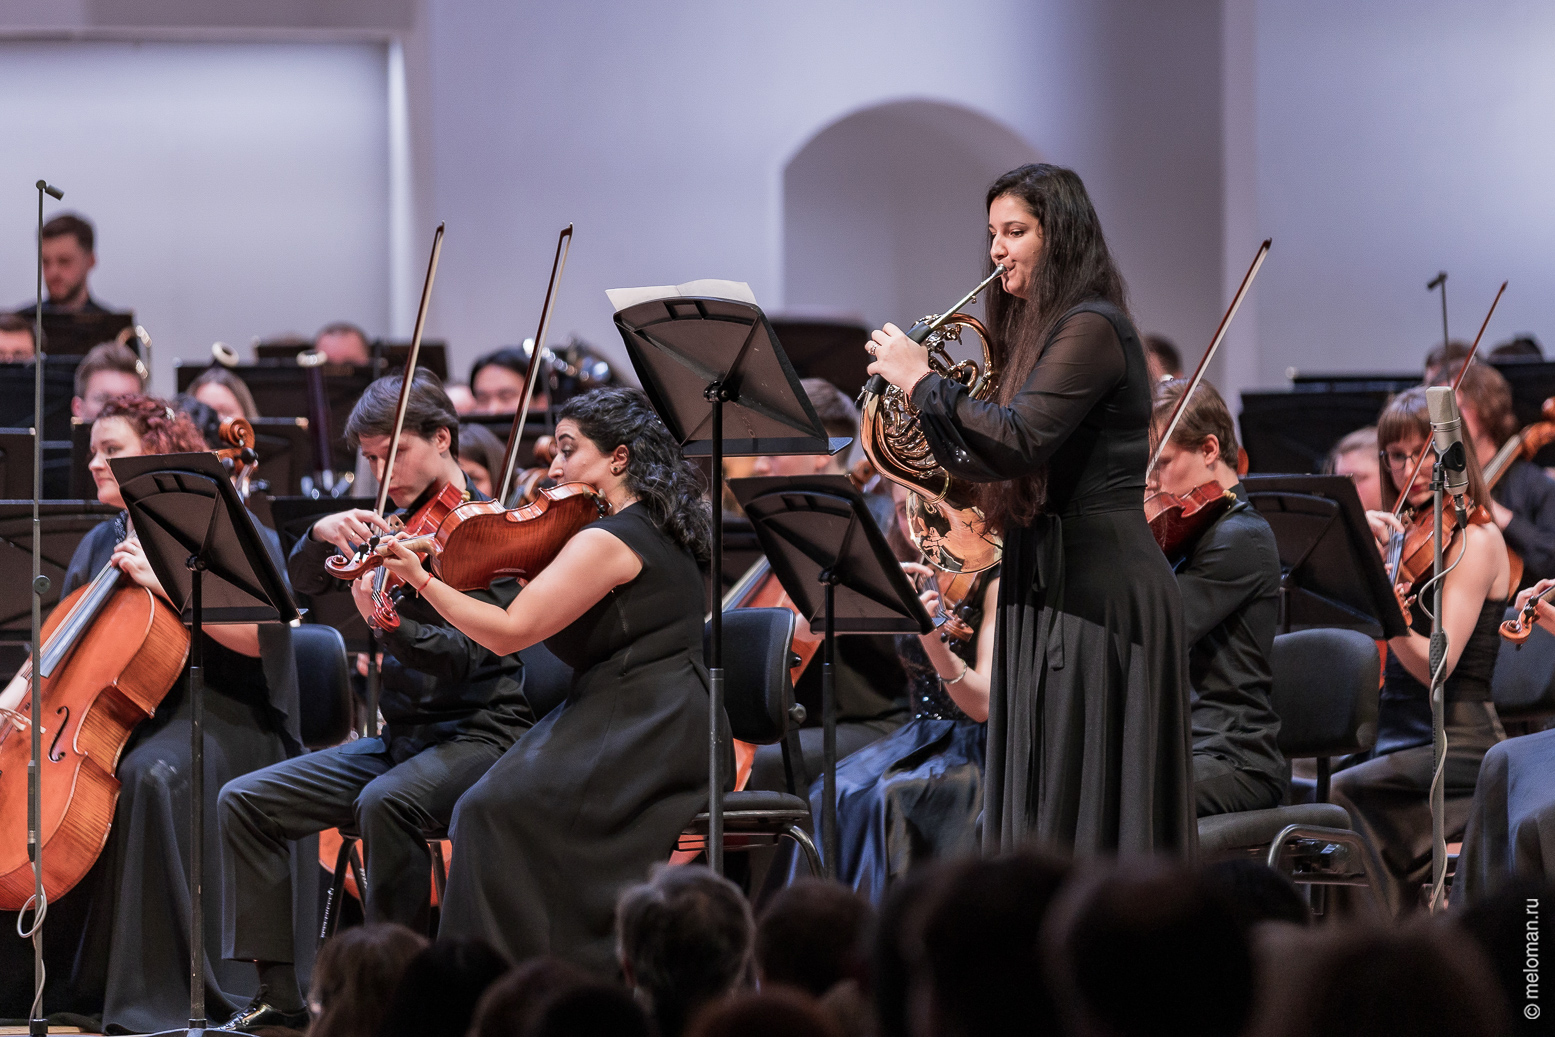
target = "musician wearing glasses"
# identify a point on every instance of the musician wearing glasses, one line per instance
(1088, 732)
(1386, 791)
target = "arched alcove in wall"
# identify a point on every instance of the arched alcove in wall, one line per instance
(883, 209)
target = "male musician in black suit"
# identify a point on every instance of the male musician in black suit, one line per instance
(451, 709)
(1229, 575)
(69, 254)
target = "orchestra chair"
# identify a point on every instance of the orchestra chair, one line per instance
(1523, 684)
(759, 701)
(1326, 695)
(324, 685)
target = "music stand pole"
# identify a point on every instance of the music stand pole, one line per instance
(197, 797)
(36, 1024)
(829, 580)
(715, 667)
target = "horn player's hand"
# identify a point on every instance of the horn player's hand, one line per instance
(898, 359)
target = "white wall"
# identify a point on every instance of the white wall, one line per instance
(662, 130)
(237, 189)
(1396, 139)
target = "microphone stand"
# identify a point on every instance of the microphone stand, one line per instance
(36, 1023)
(1438, 664)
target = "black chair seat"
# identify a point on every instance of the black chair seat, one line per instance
(781, 808)
(1221, 833)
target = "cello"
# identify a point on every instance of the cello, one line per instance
(111, 651)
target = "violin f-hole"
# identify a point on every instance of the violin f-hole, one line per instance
(54, 754)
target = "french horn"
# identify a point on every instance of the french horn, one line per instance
(946, 524)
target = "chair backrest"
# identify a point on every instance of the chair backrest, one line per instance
(1326, 692)
(757, 692)
(1523, 685)
(547, 679)
(324, 685)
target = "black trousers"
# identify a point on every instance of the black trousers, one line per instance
(354, 785)
(1387, 798)
(1221, 788)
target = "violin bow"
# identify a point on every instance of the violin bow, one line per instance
(410, 371)
(532, 376)
(1209, 354)
(1403, 498)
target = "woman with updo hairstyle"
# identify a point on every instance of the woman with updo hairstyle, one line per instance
(600, 789)
(118, 941)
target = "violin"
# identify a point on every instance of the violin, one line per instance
(529, 482)
(444, 496)
(1176, 520)
(1521, 445)
(1410, 554)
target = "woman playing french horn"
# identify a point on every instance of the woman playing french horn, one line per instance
(1088, 738)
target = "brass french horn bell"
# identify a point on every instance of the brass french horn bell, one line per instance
(946, 524)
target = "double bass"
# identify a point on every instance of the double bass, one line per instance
(111, 652)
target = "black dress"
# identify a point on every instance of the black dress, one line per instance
(1088, 731)
(1386, 794)
(596, 793)
(118, 942)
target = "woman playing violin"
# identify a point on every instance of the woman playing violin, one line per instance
(122, 931)
(600, 789)
(1386, 793)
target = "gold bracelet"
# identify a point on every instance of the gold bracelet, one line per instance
(959, 677)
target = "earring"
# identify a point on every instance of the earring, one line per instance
(615, 471)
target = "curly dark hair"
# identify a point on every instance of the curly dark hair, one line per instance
(161, 428)
(657, 473)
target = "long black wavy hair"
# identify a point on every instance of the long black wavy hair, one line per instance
(657, 473)
(1076, 265)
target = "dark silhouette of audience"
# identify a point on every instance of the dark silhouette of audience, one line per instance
(440, 988)
(812, 936)
(514, 1001)
(591, 1010)
(1026, 943)
(1422, 979)
(1151, 948)
(355, 977)
(684, 940)
(775, 1013)
(979, 951)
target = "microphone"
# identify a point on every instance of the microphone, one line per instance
(1439, 279)
(50, 190)
(1447, 433)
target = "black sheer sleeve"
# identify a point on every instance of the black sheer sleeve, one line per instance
(987, 442)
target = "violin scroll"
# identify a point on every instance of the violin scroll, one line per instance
(1520, 627)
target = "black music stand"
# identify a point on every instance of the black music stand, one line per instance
(831, 557)
(294, 516)
(203, 546)
(702, 361)
(59, 387)
(1294, 431)
(1331, 573)
(63, 524)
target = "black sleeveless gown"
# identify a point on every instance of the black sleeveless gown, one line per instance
(597, 792)
(1089, 745)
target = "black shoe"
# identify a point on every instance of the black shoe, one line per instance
(261, 1013)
